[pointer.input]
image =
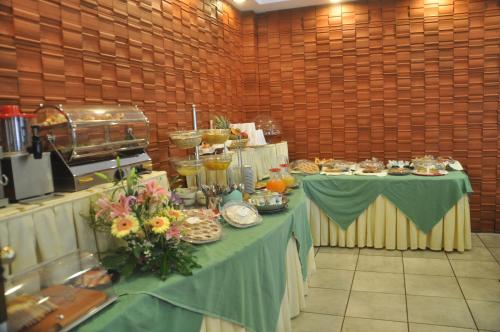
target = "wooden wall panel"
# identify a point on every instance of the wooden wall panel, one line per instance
(162, 55)
(386, 79)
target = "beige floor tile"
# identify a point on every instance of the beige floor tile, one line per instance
(432, 286)
(480, 289)
(337, 250)
(326, 301)
(476, 241)
(310, 322)
(427, 266)
(380, 264)
(496, 253)
(336, 261)
(486, 314)
(414, 327)
(439, 311)
(392, 283)
(335, 279)
(475, 254)
(377, 306)
(379, 252)
(425, 254)
(352, 324)
(487, 270)
(490, 239)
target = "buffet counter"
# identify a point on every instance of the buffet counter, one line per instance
(54, 226)
(253, 279)
(391, 212)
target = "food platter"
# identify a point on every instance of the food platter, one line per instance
(399, 171)
(201, 230)
(241, 214)
(438, 173)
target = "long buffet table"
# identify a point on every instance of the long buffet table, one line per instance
(392, 212)
(253, 279)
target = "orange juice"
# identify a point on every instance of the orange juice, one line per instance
(276, 182)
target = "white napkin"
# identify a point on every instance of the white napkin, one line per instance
(259, 138)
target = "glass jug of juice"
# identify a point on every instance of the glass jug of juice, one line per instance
(287, 176)
(276, 182)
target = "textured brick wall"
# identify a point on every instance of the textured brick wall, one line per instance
(390, 79)
(357, 80)
(162, 55)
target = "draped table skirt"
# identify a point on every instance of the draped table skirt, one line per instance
(293, 298)
(383, 225)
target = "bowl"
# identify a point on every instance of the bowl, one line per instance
(215, 136)
(238, 143)
(185, 139)
(188, 195)
(217, 162)
(188, 167)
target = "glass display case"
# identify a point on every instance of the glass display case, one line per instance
(85, 139)
(92, 131)
(59, 294)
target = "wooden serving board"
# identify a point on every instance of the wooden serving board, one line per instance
(72, 303)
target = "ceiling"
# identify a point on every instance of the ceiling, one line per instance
(261, 6)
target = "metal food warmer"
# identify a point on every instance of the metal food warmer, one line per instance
(85, 139)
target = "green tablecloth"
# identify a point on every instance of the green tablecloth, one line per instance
(242, 280)
(424, 200)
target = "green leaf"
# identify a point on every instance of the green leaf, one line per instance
(129, 266)
(137, 251)
(114, 261)
(102, 176)
(118, 162)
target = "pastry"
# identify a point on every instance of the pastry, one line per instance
(304, 166)
(94, 278)
(26, 310)
(199, 230)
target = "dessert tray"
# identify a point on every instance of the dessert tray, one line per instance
(241, 214)
(201, 227)
(267, 202)
(397, 171)
(430, 173)
(304, 166)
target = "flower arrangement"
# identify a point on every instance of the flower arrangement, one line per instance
(144, 220)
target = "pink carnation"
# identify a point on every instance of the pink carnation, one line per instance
(173, 232)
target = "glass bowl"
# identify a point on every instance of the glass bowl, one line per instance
(187, 167)
(215, 136)
(185, 139)
(217, 162)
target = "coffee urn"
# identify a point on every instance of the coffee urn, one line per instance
(24, 164)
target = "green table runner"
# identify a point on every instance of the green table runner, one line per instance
(242, 280)
(424, 200)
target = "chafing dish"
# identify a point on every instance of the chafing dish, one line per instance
(85, 139)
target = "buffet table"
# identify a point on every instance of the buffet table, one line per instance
(253, 279)
(261, 158)
(54, 226)
(392, 212)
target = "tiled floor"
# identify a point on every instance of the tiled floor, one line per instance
(372, 290)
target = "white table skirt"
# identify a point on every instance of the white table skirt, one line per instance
(293, 298)
(261, 159)
(54, 227)
(382, 225)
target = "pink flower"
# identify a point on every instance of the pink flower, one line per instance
(104, 207)
(154, 191)
(122, 207)
(173, 232)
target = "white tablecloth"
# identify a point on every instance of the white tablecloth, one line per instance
(261, 159)
(54, 227)
(382, 225)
